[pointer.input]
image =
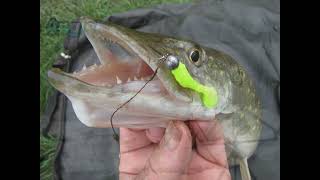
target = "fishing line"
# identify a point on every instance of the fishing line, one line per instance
(115, 135)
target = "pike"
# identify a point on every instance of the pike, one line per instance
(97, 91)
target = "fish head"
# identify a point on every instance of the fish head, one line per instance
(128, 60)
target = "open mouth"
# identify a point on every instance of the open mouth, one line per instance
(129, 73)
(128, 60)
(120, 67)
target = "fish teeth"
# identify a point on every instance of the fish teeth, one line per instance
(110, 41)
(94, 66)
(135, 78)
(129, 79)
(91, 67)
(118, 80)
(84, 67)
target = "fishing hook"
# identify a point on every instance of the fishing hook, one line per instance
(115, 135)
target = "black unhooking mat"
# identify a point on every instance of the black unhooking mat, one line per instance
(248, 30)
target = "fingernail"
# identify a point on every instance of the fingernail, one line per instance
(172, 136)
(156, 132)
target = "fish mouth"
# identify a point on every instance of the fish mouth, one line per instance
(129, 73)
(127, 63)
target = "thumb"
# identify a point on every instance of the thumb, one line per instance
(171, 158)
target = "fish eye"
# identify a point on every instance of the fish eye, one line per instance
(195, 56)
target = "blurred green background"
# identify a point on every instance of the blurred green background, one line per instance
(51, 44)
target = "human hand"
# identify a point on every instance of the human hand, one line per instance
(167, 154)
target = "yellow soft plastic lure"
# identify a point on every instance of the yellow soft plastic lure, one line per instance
(209, 95)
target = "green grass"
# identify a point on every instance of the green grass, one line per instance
(47, 152)
(51, 44)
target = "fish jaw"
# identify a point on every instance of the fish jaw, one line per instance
(94, 105)
(145, 46)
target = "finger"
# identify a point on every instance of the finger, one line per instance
(135, 149)
(210, 141)
(171, 159)
(131, 140)
(155, 134)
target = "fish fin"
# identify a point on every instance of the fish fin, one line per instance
(244, 169)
